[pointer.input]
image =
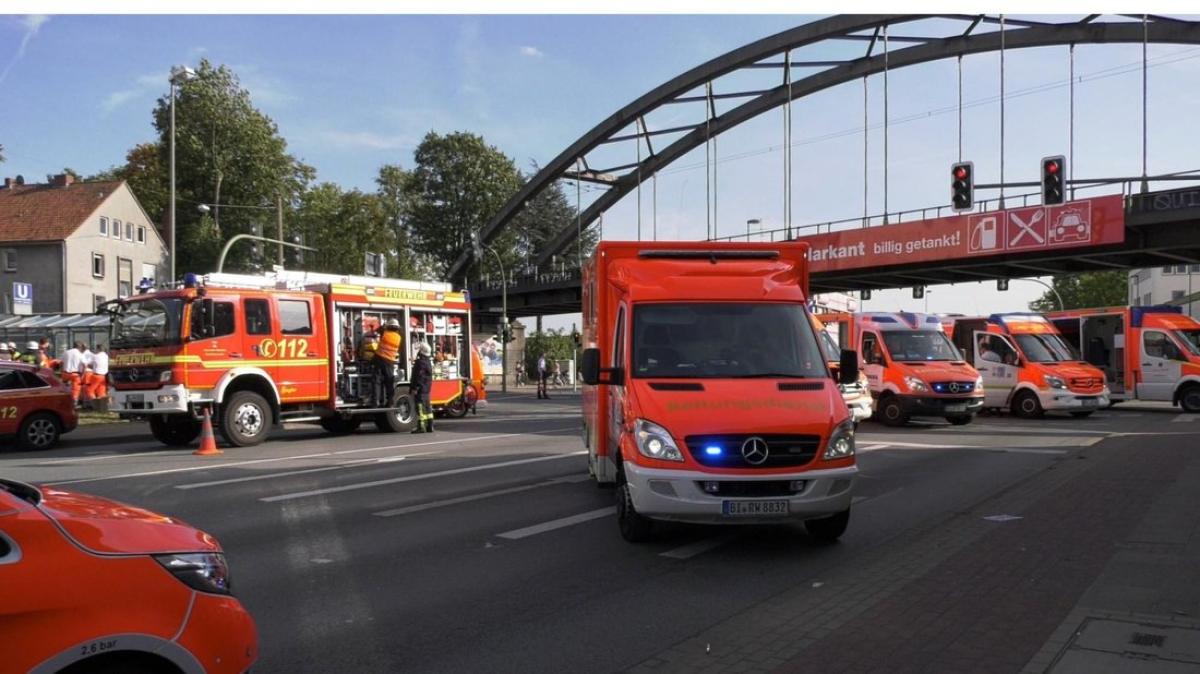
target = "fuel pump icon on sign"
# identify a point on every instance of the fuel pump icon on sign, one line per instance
(983, 235)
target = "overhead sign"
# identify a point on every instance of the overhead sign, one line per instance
(1076, 224)
(22, 294)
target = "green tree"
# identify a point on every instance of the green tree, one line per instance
(458, 183)
(556, 344)
(392, 191)
(1082, 291)
(227, 153)
(342, 226)
(147, 176)
(1, 154)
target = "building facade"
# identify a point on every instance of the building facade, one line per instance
(1163, 285)
(77, 243)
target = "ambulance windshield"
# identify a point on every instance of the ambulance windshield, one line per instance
(1191, 339)
(713, 340)
(1045, 347)
(919, 345)
(147, 323)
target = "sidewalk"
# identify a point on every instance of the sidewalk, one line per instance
(1101, 573)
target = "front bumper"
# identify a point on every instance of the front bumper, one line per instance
(220, 634)
(860, 404)
(172, 399)
(1066, 401)
(676, 495)
(940, 406)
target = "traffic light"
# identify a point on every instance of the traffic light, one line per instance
(864, 295)
(1054, 170)
(962, 186)
(918, 292)
(1002, 284)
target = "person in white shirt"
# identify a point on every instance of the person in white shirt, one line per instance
(97, 379)
(74, 368)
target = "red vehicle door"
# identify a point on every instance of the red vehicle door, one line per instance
(208, 356)
(260, 339)
(303, 351)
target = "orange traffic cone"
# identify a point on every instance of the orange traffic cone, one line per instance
(208, 443)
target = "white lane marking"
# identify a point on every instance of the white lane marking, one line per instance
(210, 466)
(974, 448)
(699, 547)
(412, 478)
(111, 455)
(421, 507)
(562, 522)
(302, 471)
(1186, 416)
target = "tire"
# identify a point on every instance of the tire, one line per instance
(828, 529)
(634, 527)
(891, 412)
(1082, 414)
(339, 425)
(245, 419)
(402, 418)
(1025, 404)
(39, 431)
(960, 419)
(1189, 399)
(174, 430)
(457, 408)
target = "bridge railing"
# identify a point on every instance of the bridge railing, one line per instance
(530, 281)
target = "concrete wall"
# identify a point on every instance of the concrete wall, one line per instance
(82, 286)
(39, 264)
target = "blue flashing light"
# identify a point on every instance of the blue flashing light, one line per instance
(190, 280)
(712, 450)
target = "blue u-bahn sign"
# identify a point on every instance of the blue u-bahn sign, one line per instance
(22, 294)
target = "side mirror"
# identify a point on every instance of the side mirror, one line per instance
(589, 366)
(848, 367)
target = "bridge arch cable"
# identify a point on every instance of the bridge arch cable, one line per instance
(775, 52)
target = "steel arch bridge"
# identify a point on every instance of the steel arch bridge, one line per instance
(960, 36)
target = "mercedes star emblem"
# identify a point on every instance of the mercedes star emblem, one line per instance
(754, 450)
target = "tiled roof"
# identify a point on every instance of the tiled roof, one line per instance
(48, 212)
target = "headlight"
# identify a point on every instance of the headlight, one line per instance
(203, 571)
(655, 442)
(915, 385)
(841, 441)
(978, 383)
(1055, 382)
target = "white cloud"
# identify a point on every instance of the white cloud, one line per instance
(532, 51)
(368, 140)
(144, 86)
(32, 24)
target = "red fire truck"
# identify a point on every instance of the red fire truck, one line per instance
(260, 350)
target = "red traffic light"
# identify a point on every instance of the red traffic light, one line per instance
(1051, 167)
(960, 172)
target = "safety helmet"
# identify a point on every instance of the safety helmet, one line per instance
(423, 349)
(4, 347)
(12, 346)
(32, 345)
(393, 323)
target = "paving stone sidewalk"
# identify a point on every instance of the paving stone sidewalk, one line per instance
(971, 595)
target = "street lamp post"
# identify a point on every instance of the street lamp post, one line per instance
(179, 75)
(751, 221)
(278, 208)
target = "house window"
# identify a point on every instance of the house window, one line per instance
(1195, 268)
(98, 265)
(1167, 270)
(141, 234)
(1181, 269)
(10, 259)
(116, 229)
(129, 231)
(124, 277)
(97, 300)
(103, 226)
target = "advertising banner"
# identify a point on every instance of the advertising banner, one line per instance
(1009, 233)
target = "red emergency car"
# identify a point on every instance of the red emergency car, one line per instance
(35, 407)
(92, 585)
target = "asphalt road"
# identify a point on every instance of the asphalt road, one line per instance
(484, 547)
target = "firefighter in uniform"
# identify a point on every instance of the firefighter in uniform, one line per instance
(32, 355)
(386, 355)
(419, 385)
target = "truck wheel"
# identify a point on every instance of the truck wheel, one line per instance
(891, 412)
(1189, 399)
(1082, 414)
(1027, 406)
(401, 419)
(174, 430)
(960, 419)
(828, 529)
(341, 425)
(39, 431)
(245, 419)
(457, 408)
(634, 528)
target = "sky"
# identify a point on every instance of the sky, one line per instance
(352, 93)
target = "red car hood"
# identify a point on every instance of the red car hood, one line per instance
(1072, 370)
(942, 370)
(741, 406)
(109, 527)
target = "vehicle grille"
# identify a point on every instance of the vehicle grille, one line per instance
(751, 488)
(782, 450)
(1088, 384)
(953, 387)
(135, 376)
